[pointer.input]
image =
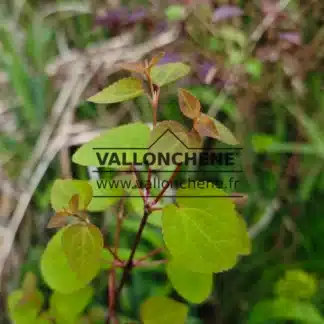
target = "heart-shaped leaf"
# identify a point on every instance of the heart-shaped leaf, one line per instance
(55, 269)
(212, 236)
(193, 286)
(64, 190)
(82, 244)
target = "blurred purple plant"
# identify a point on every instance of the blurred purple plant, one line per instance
(225, 12)
(292, 37)
(117, 19)
(170, 58)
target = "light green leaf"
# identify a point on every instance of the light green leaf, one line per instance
(262, 142)
(193, 286)
(64, 190)
(224, 134)
(285, 309)
(55, 269)
(175, 12)
(22, 312)
(101, 188)
(168, 138)
(296, 284)
(118, 146)
(155, 218)
(82, 244)
(167, 73)
(122, 90)
(67, 307)
(204, 233)
(135, 202)
(163, 310)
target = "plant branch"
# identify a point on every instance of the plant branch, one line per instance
(150, 254)
(129, 265)
(165, 188)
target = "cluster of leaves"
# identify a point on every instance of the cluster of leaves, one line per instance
(202, 236)
(25, 305)
(293, 301)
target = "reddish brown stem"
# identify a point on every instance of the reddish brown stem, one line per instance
(150, 254)
(137, 183)
(111, 295)
(165, 188)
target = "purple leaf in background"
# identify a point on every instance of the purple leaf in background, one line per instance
(225, 12)
(203, 71)
(292, 37)
(170, 58)
(121, 17)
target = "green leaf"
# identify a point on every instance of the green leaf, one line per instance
(22, 312)
(134, 202)
(162, 310)
(204, 233)
(254, 68)
(99, 204)
(118, 147)
(285, 309)
(193, 286)
(296, 284)
(155, 218)
(55, 269)
(122, 90)
(82, 244)
(64, 190)
(224, 134)
(168, 73)
(67, 307)
(175, 12)
(262, 142)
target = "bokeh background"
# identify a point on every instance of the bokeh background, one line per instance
(257, 66)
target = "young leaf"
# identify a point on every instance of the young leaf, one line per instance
(82, 244)
(210, 231)
(67, 307)
(55, 269)
(122, 90)
(115, 148)
(205, 126)
(58, 220)
(225, 135)
(137, 67)
(167, 73)
(193, 286)
(64, 190)
(189, 104)
(156, 59)
(163, 310)
(74, 204)
(208, 126)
